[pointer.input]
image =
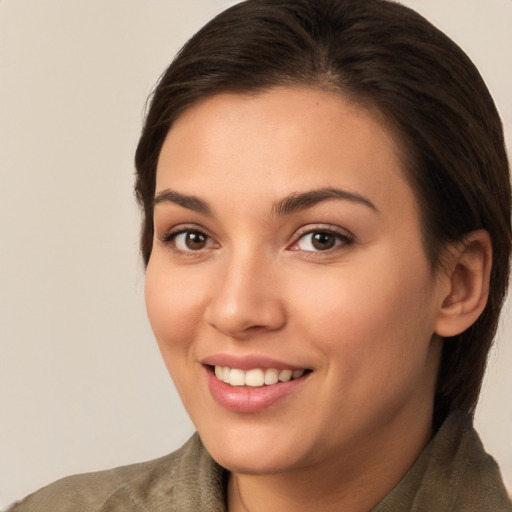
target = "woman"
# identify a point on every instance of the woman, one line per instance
(326, 229)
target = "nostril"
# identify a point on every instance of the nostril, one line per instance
(243, 307)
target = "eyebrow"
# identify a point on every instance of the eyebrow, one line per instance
(186, 201)
(295, 202)
(302, 201)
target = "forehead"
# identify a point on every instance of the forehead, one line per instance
(277, 142)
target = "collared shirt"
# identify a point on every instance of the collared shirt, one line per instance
(453, 473)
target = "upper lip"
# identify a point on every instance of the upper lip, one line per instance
(248, 362)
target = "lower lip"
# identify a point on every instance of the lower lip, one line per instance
(249, 400)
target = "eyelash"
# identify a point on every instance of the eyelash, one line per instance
(169, 239)
(342, 241)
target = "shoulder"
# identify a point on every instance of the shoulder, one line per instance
(92, 492)
(453, 473)
(474, 479)
(151, 485)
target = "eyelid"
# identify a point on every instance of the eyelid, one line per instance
(347, 237)
(168, 236)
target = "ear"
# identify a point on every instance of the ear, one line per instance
(468, 268)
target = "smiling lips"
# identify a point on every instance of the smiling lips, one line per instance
(254, 389)
(256, 377)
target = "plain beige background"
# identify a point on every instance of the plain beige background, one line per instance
(82, 384)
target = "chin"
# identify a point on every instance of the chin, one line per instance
(256, 451)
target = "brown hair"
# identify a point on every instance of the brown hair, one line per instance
(384, 55)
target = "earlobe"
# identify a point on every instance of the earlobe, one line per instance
(469, 270)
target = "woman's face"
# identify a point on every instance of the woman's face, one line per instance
(287, 240)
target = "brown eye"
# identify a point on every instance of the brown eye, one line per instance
(189, 241)
(195, 240)
(318, 241)
(323, 241)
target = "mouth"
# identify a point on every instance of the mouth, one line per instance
(252, 383)
(255, 377)
(253, 390)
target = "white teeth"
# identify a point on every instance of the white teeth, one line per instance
(237, 377)
(255, 377)
(285, 375)
(297, 373)
(271, 376)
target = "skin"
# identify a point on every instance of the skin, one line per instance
(362, 315)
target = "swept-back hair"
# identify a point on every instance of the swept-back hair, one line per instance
(386, 56)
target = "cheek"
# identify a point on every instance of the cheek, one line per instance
(173, 305)
(376, 315)
(374, 333)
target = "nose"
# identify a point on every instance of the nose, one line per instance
(247, 300)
